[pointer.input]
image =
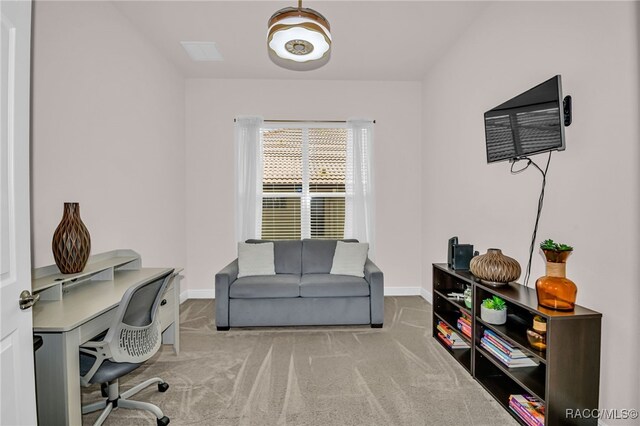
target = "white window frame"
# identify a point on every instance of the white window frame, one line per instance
(305, 196)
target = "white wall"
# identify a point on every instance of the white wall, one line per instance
(108, 132)
(592, 200)
(211, 107)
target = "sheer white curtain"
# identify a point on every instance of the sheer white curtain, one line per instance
(360, 201)
(248, 150)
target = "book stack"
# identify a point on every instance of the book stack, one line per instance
(528, 408)
(464, 324)
(503, 351)
(450, 337)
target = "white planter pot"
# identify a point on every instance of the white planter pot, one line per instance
(492, 316)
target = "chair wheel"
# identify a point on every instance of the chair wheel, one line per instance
(104, 389)
(163, 421)
(162, 387)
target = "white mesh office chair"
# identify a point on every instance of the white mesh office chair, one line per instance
(133, 338)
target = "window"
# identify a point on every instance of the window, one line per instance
(303, 181)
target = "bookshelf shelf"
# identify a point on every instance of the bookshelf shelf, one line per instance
(449, 312)
(531, 379)
(568, 372)
(515, 332)
(458, 303)
(450, 319)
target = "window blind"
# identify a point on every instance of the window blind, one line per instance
(303, 182)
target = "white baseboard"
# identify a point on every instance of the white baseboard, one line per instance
(401, 291)
(197, 294)
(408, 291)
(426, 295)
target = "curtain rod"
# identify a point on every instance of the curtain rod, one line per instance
(305, 121)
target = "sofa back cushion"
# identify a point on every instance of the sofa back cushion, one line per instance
(287, 255)
(317, 255)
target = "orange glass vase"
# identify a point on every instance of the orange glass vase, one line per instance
(555, 290)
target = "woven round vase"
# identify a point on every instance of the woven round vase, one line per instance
(494, 268)
(71, 242)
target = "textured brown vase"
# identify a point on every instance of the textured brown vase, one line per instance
(494, 268)
(555, 290)
(71, 241)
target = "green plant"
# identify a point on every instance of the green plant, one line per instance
(494, 303)
(555, 252)
(553, 246)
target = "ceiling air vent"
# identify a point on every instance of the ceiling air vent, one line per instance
(202, 51)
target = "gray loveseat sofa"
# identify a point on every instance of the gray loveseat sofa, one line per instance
(302, 292)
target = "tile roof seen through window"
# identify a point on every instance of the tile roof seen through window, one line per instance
(282, 157)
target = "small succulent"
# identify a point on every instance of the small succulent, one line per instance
(555, 252)
(494, 303)
(552, 245)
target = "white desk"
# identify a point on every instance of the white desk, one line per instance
(83, 311)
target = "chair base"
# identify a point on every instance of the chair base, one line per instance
(115, 399)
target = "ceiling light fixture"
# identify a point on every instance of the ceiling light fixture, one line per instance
(299, 38)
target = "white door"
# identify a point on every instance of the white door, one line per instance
(17, 385)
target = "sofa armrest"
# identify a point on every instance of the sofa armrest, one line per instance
(375, 278)
(224, 278)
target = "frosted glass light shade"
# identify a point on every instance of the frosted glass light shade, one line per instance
(299, 39)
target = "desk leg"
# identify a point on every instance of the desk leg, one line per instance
(171, 337)
(172, 334)
(58, 379)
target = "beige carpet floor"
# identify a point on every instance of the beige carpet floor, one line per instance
(397, 375)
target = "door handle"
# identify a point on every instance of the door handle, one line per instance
(27, 300)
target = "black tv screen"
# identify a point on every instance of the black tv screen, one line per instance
(530, 123)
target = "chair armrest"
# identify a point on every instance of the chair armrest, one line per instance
(374, 276)
(224, 278)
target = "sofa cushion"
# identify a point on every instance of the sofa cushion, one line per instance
(349, 259)
(287, 255)
(266, 286)
(255, 259)
(327, 285)
(317, 255)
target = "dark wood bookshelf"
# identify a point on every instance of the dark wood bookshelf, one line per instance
(458, 302)
(451, 319)
(567, 375)
(531, 379)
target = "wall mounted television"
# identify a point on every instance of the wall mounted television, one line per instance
(530, 123)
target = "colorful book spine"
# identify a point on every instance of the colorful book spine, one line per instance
(505, 359)
(531, 404)
(501, 342)
(528, 408)
(446, 341)
(495, 351)
(466, 329)
(497, 343)
(451, 335)
(505, 347)
(444, 329)
(461, 344)
(522, 414)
